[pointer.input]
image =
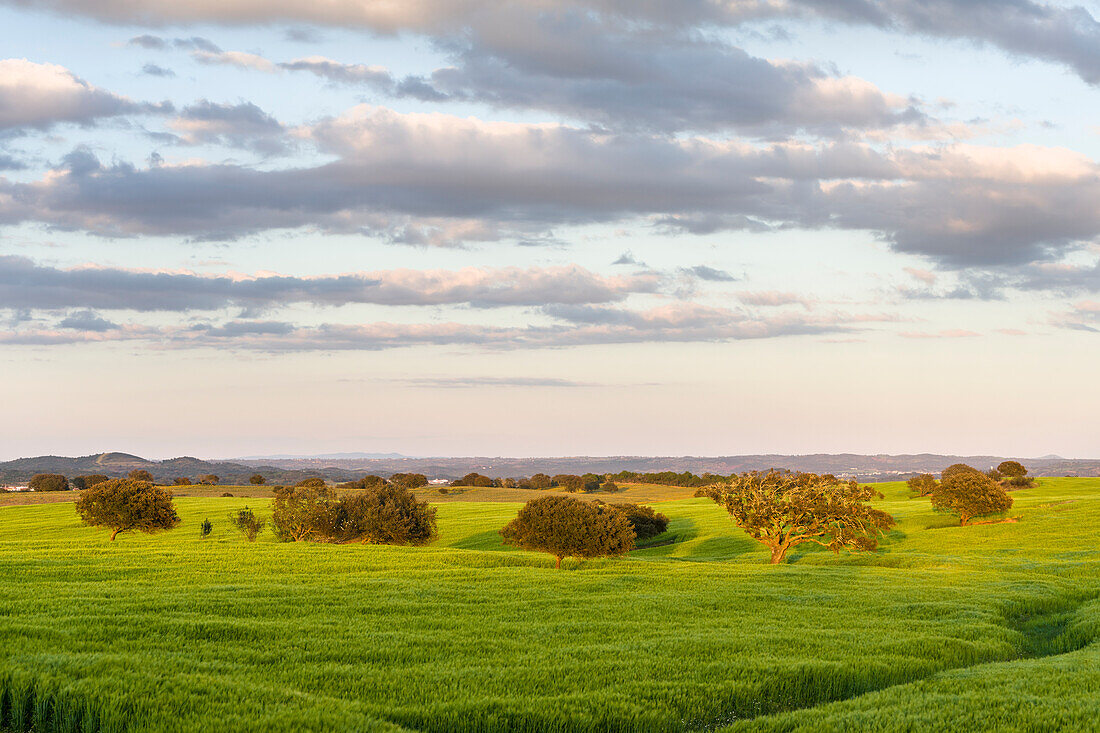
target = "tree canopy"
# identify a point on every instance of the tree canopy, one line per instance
(257, 479)
(955, 469)
(140, 474)
(645, 522)
(384, 515)
(409, 480)
(48, 482)
(922, 485)
(1012, 469)
(567, 527)
(301, 513)
(315, 482)
(782, 509)
(970, 495)
(125, 505)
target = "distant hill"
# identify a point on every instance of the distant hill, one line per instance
(336, 468)
(322, 457)
(119, 464)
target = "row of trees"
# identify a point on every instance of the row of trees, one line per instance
(967, 492)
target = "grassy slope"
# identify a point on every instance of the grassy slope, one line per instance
(172, 632)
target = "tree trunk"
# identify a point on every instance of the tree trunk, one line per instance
(558, 566)
(963, 519)
(115, 534)
(778, 553)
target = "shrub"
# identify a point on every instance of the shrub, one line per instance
(540, 481)
(226, 494)
(370, 481)
(140, 475)
(83, 482)
(922, 485)
(567, 527)
(970, 494)
(610, 487)
(473, 479)
(311, 483)
(1018, 482)
(125, 505)
(209, 479)
(206, 528)
(181, 481)
(386, 515)
(48, 482)
(257, 480)
(645, 522)
(783, 509)
(247, 523)
(302, 513)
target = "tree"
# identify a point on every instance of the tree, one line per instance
(568, 482)
(125, 505)
(91, 479)
(315, 483)
(956, 469)
(301, 513)
(591, 482)
(541, 481)
(247, 523)
(209, 479)
(1012, 469)
(970, 494)
(48, 482)
(139, 474)
(782, 509)
(205, 529)
(567, 527)
(645, 522)
(409, 480)
(257, 480)
(922, 485)
(181, 481)
(473, 479)
(384, 515)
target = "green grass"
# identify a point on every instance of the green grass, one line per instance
(994, 625)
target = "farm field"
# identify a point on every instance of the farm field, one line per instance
(946, 627)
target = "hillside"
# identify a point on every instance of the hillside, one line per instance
(993, 626)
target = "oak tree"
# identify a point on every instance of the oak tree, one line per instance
(970, 495)
(140, 474)
(384, 515)
(48, 482)
(124, 505)
(1012, 469)
(782, 509)
(567, 527)
(257, 480)
(922, 485)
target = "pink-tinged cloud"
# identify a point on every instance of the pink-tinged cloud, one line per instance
(951, 333)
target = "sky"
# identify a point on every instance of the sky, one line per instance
(535, 227)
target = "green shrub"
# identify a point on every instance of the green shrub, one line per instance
(645, 522)
(566, 527)
(247, 523)
(386, 515)
(302, 513)
(205, 529)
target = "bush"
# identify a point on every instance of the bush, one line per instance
(247, 523)
(140, 475)
(314, 483)
(125, 505)
(226, 494)
(48, 482)
(540, 481)
(387, 515)
(566, 527)
(1018, 482)
(970, 494)
(473, 479)
(568, 482)
(83, 482)
(645, 522)
(302, 513)
(206, 529)
(257, 480)
(956, 470)
(370, 481)
(181, 481)
(209, 479)
(922, 485)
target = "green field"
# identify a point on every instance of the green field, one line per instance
(995, 626)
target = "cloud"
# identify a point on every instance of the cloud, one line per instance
(377, 76)
(159, 43)
(154, 70)
(709, 273)
(87, 320)
(772, 299)
(239, 59)
(952, 333)
(40, 96)
(25, 284)
(436, 178)
(627, 258)
(570, 326)
(241, 125)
